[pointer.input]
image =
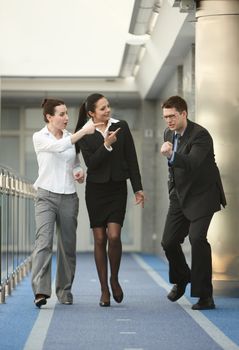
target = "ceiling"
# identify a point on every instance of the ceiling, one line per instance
(71, 48)
(74, 38)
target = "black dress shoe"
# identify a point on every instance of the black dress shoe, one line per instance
(204, 304)
(177, 291)
(40, 300)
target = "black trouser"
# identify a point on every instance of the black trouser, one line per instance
(177, 227)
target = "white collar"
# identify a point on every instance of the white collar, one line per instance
(46, 131)
(110, 121)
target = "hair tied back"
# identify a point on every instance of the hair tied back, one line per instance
(86, 106)
(44, 102)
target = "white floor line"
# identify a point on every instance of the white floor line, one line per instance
(123, 319)
(39, 330)
(133, 349)
(215, 333)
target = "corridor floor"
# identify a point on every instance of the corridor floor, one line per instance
(145, 320)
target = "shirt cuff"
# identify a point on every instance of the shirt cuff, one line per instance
(171, 159)
(108, 148)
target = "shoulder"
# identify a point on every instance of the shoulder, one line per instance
(122, 124)
(67, 133)
(43, 131)
(196, 133)
(197, 128)
(119, 123)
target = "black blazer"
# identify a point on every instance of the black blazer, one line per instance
(196, 176)
(119, 164)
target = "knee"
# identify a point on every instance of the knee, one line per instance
(167, 245)
(114, 238)
(43, 244)
(198, 241)
(192, 240)
(100, 241)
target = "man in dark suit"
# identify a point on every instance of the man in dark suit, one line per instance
(195, 194)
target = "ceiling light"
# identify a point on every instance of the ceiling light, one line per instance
(152, 22)
(136, 69)
(133, 39)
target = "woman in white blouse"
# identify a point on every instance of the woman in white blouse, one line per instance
(56, 202)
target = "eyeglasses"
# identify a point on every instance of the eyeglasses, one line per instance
(170, 117)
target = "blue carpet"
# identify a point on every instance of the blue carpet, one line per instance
(145, 320)
(17, 317)
(226, 315)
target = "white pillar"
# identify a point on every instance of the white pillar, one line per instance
(217, 107)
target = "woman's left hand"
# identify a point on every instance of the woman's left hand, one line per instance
(79, 177)
(140, 198)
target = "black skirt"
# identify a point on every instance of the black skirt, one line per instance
(106, 202)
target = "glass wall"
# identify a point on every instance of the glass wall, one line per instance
(10, 138)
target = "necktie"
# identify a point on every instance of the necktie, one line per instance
(176, 141)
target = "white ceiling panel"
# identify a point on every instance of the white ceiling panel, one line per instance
(59, 38)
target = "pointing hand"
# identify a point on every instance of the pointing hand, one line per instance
(111, 137)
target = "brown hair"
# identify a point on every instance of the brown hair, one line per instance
(49, 105)
(176, 102)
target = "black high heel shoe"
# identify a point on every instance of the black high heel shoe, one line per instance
(105, 299)
(104, 303)
(117, 291)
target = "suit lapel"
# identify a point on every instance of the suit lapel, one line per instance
(169, 136)
(114, 126)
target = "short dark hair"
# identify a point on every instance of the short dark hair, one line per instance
(176, 102)
(48, 105)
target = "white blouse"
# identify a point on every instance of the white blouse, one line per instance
(56, 160)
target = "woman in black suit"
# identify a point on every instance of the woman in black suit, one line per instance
(111, 159)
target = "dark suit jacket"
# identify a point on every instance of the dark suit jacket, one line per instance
(119, 164)
(196, 176)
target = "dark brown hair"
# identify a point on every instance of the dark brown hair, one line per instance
(49, 105)
(176, 102)
(87, 106)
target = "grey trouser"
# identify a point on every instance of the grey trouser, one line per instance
(62, 210)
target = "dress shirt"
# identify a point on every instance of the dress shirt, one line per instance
(56, 160)
(104, 133)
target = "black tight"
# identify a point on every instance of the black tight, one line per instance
(102, 235)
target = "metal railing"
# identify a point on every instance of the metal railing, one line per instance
(17, 229)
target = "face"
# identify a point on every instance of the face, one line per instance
(175, 120)
(102, 111)
(60, 119)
